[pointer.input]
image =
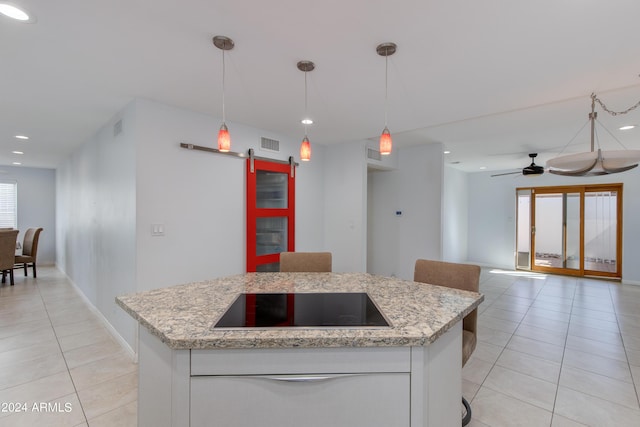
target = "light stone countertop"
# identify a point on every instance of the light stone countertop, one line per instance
(182, 316)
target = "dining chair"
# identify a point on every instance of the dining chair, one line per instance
(458, 276)
(8, 239)
(311, 262)
(29, 250)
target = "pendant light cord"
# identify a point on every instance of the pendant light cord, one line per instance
(306, 115)
(386, 87)
(223, 81)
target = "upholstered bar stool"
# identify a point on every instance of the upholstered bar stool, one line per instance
(458, 276)
(310, 262)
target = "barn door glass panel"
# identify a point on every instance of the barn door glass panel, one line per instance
(600, 231)
(271, 189)
(271, 235)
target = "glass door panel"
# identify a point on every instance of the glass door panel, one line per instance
(271, 235)
(571, 258)
(600, 231)
(548, 230)
(523, 237)
(271, 189)
(557, 230)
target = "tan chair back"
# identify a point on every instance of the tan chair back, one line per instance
(452, 275)
(313, 262)
(8, 240)
(30, 242)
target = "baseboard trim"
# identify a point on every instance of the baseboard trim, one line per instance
(114, 333)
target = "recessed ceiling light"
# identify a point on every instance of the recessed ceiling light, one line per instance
(22, 137)
(19, 14)
(307, 121)
(17, 152)
(447, 152)
(482, 168)
(17, 163)
(627, 127)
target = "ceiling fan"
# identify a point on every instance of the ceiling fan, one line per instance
(532, 169)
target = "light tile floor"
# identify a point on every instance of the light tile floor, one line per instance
(56, 354)
(555, 351)
(552, 351)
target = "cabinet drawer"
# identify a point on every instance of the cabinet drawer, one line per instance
(347, 400)
(300, 361)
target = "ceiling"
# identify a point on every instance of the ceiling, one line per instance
(492, 80)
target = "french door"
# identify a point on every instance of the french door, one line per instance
(575, 230)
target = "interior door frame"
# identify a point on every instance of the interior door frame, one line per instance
(582, 190)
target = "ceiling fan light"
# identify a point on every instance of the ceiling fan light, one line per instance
(386, 142)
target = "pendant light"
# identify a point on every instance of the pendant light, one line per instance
(224, 139)
(305, 147)
(386, 49)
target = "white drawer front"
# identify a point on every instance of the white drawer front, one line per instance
(343, 400)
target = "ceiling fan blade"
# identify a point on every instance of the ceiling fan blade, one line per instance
(506, 173)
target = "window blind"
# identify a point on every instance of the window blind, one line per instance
(8, 205)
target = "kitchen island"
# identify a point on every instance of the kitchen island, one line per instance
(406, 374)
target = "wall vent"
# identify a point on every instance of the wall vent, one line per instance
(269, 144)
(117, 128)
(373, 154)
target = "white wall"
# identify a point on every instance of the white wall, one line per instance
(95, 219)
(415, 189)
(113, 189)
(200, 197)
(345, 205)
(492, 219)
(36, 206)
(455, 216)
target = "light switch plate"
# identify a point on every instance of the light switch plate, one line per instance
(157, 229)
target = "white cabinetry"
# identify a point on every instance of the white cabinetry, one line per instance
(311, 387)
(342, 387)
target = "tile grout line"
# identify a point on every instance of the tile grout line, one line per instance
(62, 353)
(624, 347)
(507, 343)
(564, 349)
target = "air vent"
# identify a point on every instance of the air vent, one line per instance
(269, 144)
(373, 154)
(117, 128)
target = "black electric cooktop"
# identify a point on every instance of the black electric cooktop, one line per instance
(284, 310)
